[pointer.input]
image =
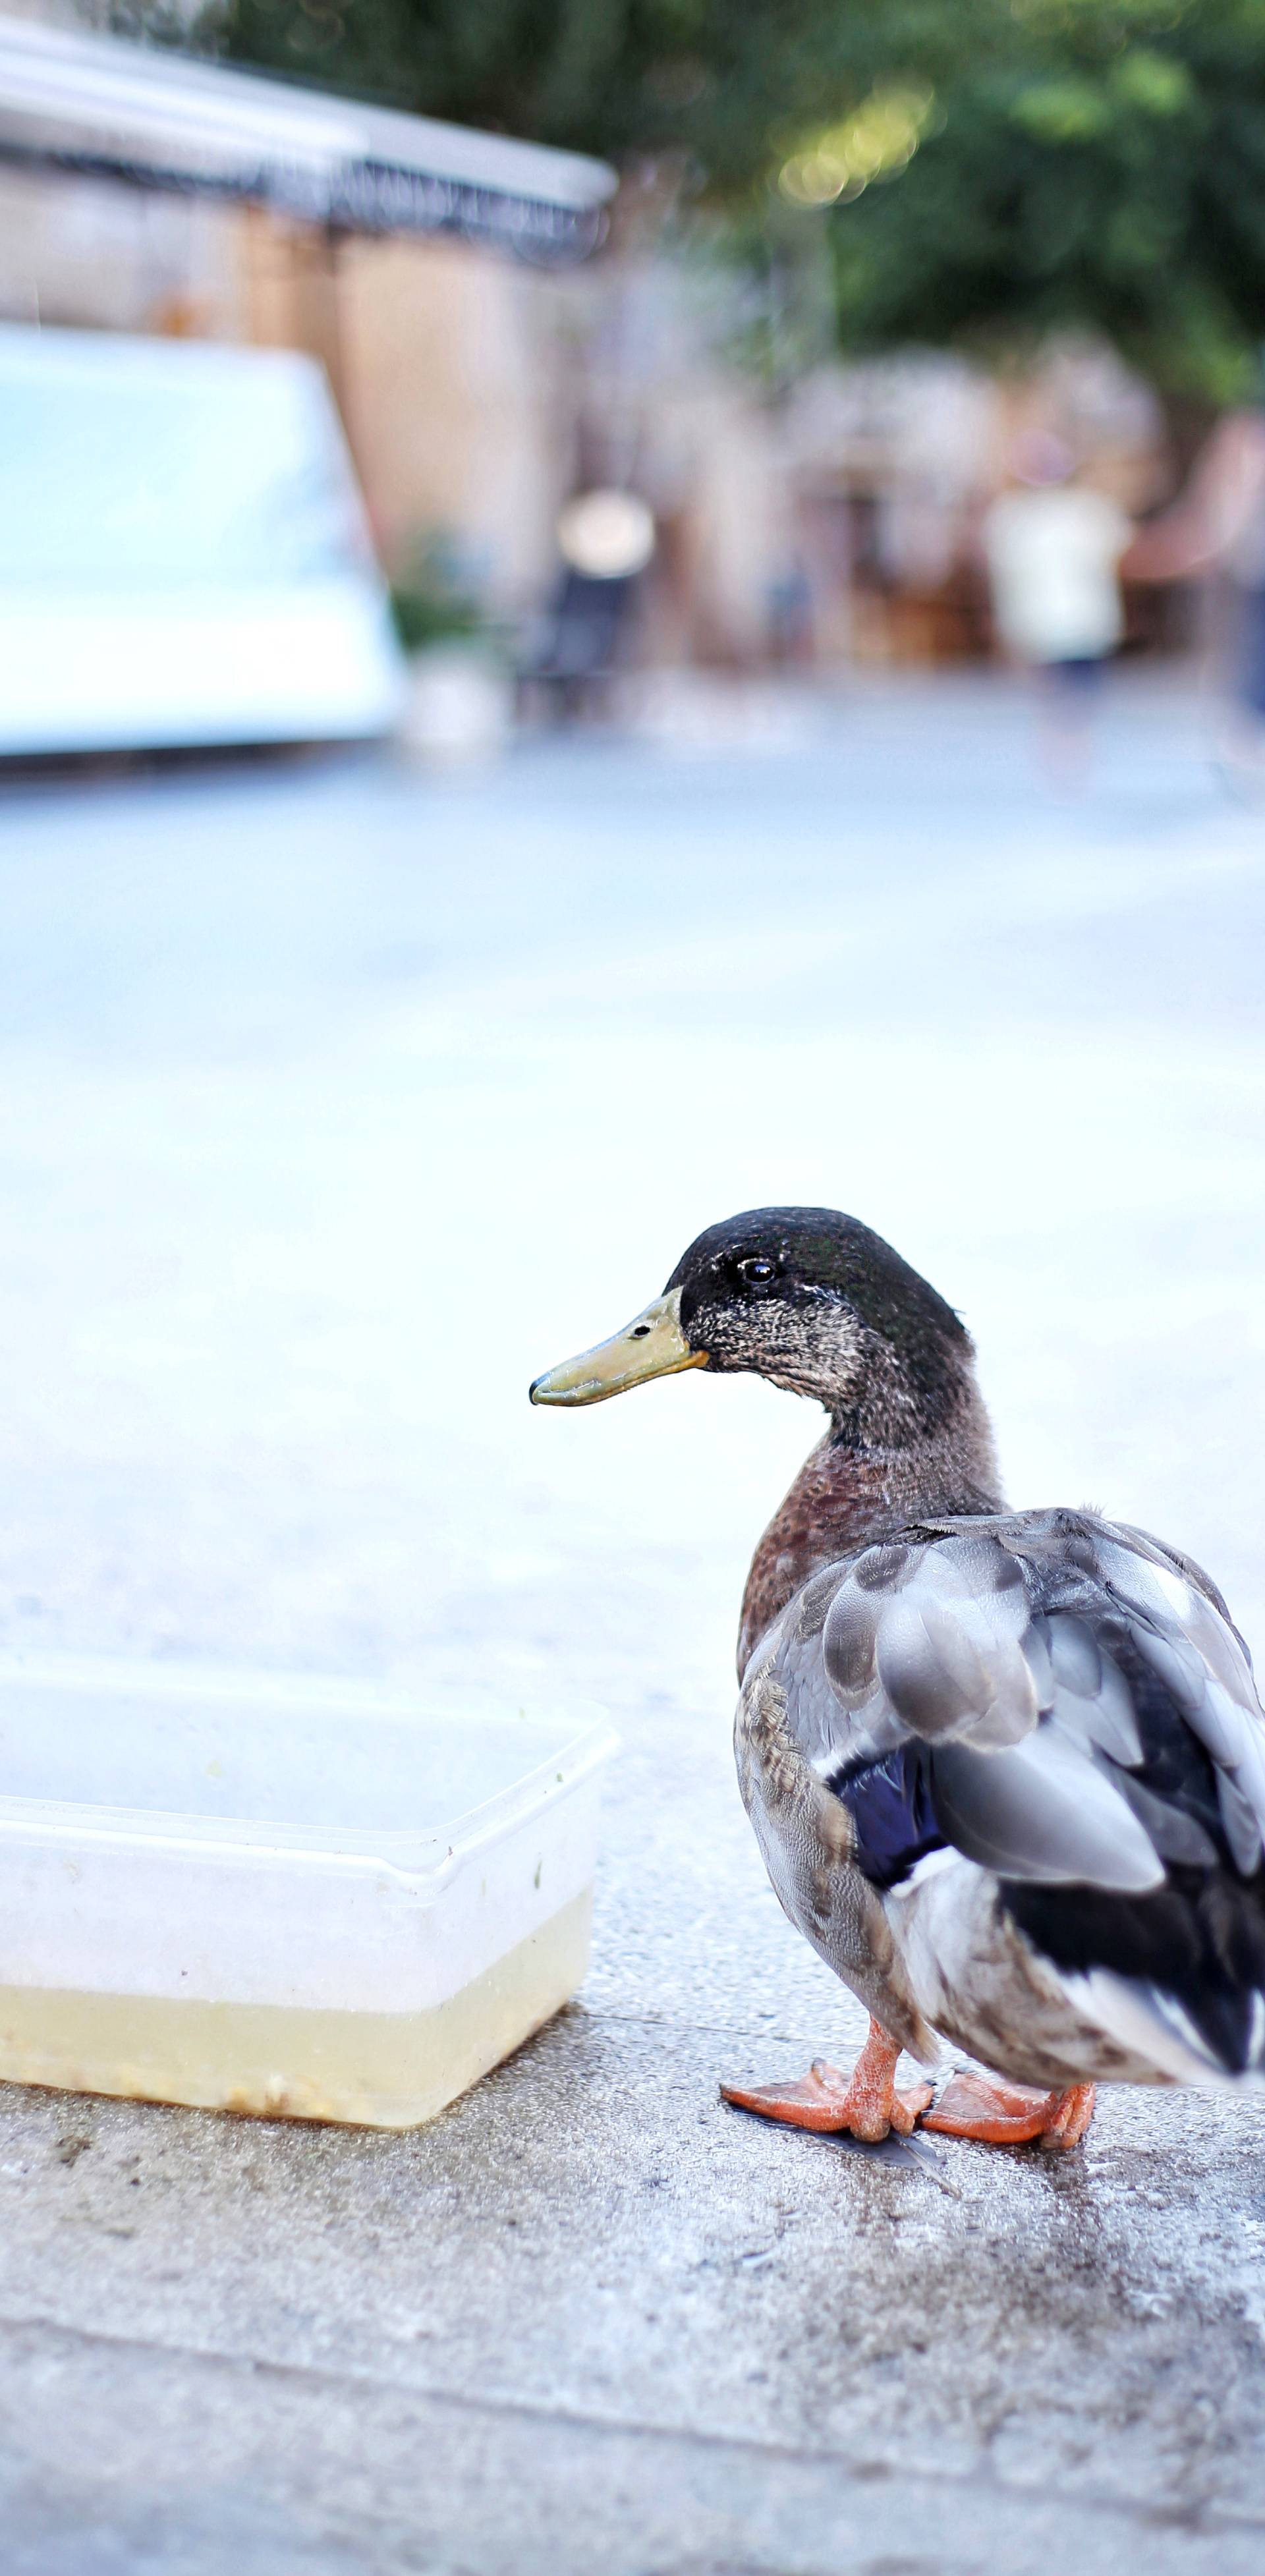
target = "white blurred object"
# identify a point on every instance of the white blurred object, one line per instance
(459, 709)
(608, 535)
(183, 553)
(69, 98)
(1052, 552)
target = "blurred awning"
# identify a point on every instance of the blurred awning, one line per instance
(98, 106)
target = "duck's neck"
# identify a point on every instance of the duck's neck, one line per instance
(851, 1491)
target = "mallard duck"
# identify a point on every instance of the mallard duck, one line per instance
(1006, 1769)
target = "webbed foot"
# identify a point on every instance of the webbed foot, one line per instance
(866, 2102)
(1006, 2115)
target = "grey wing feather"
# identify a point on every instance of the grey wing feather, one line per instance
(1002, 1648)
(1042, 1811)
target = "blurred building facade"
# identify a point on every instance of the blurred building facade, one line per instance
(893, 462)
(830, 515)
(448, 350)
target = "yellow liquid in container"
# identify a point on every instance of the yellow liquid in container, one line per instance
(378, 2070)
(297, 1899)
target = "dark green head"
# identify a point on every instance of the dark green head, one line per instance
(811, 1300)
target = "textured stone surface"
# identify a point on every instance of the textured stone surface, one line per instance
(334, 1106)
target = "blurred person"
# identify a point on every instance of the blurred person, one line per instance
(1053, 546)
(1219, 524)
(790, 607)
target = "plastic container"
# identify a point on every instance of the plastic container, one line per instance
(295, 1898)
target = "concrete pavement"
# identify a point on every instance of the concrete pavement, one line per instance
(335, 1104)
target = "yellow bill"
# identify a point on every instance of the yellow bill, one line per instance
(653, 1345)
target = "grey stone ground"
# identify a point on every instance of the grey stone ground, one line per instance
(334, 1105)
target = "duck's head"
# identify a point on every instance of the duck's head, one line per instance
(805, 1297)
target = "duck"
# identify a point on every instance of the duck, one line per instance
(1006, 1769)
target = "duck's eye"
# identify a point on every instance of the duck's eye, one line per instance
(756, 1270)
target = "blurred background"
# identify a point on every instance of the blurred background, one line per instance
(646, 344)
(609, 612)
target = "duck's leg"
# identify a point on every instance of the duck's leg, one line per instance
(1005, 2115)
(866, 2102)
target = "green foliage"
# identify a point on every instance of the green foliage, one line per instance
(1094, 162)
(723, 82)
(431, 600)
(1111, 170)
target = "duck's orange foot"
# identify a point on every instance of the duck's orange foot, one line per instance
(866, 2102)
(981, 2106)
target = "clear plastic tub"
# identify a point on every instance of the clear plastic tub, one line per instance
(296, 1898)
